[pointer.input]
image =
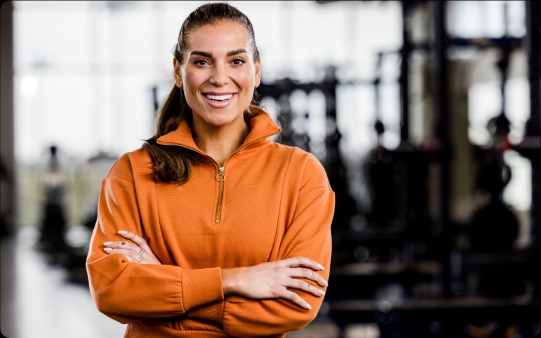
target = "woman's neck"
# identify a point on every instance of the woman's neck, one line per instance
(220, 142)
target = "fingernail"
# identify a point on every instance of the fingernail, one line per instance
(326, 283)
(108, 243)
(321, 292)
(308, 306)
(320, 266)
(107, 249)
(122, 232)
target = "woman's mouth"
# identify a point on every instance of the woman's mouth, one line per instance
(218, 97)
(219, 100)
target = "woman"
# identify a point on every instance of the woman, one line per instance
(211, 229)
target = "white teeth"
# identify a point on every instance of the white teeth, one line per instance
(219, 97)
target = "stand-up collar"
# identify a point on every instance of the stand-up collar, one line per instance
(261, 127)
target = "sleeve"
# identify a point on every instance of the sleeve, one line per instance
(129, 292)
(308, 234)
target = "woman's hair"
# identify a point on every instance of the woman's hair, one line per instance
(170, 163)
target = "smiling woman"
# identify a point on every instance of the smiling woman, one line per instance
(218, 78)
(211, 229)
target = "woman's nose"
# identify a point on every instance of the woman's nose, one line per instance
(220, 76)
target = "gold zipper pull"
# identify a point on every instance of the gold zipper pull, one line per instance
(220, 177)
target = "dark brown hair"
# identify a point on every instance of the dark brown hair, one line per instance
(170, 163)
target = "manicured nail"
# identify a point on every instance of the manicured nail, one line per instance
(325, 283)
(108, 243)
(320, 267)
(321, 292)
(308, 306)
(122, 232)
(107, 249)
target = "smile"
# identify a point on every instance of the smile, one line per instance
(219, 97)
(219, 100)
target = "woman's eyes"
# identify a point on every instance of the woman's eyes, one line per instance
(238, 62)
(200, 62)
(235, 62)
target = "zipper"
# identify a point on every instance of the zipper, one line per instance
(220, 176)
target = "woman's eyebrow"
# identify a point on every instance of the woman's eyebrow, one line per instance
(207, 54)
(196, 52)
(235, 52)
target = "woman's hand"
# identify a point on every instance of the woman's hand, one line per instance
(135, 249)
(272, 280)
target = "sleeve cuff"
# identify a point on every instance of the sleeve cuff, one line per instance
(201, 286)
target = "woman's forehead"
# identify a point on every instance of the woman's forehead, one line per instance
(222, 36)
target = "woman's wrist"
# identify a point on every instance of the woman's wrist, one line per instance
(229, 281)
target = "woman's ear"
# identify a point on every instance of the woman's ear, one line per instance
(257, 73)
(177, 73)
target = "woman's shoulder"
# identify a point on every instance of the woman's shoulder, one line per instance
(304, 162)
(297, 154)
(130, 164)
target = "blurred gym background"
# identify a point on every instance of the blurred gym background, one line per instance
(425, 114)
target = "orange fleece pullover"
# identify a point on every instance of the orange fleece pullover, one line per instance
(274, 202)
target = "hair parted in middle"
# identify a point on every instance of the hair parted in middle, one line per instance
(170, 163)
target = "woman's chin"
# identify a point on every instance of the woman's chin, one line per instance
(221, 120)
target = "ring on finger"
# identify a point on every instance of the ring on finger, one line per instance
(313, 275)
(141, 259)
(132, 237)
(141, 252)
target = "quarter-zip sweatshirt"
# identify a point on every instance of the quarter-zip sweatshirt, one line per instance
(267, 202)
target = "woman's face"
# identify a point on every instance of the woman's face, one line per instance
(218, 73)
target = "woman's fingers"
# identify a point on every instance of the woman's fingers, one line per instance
(303, 261)
(121, 245)
(130, 254)
(298, 269)
(136, 239)
(295, 299)
(300, 284)
(135, 248)
(308, 274)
